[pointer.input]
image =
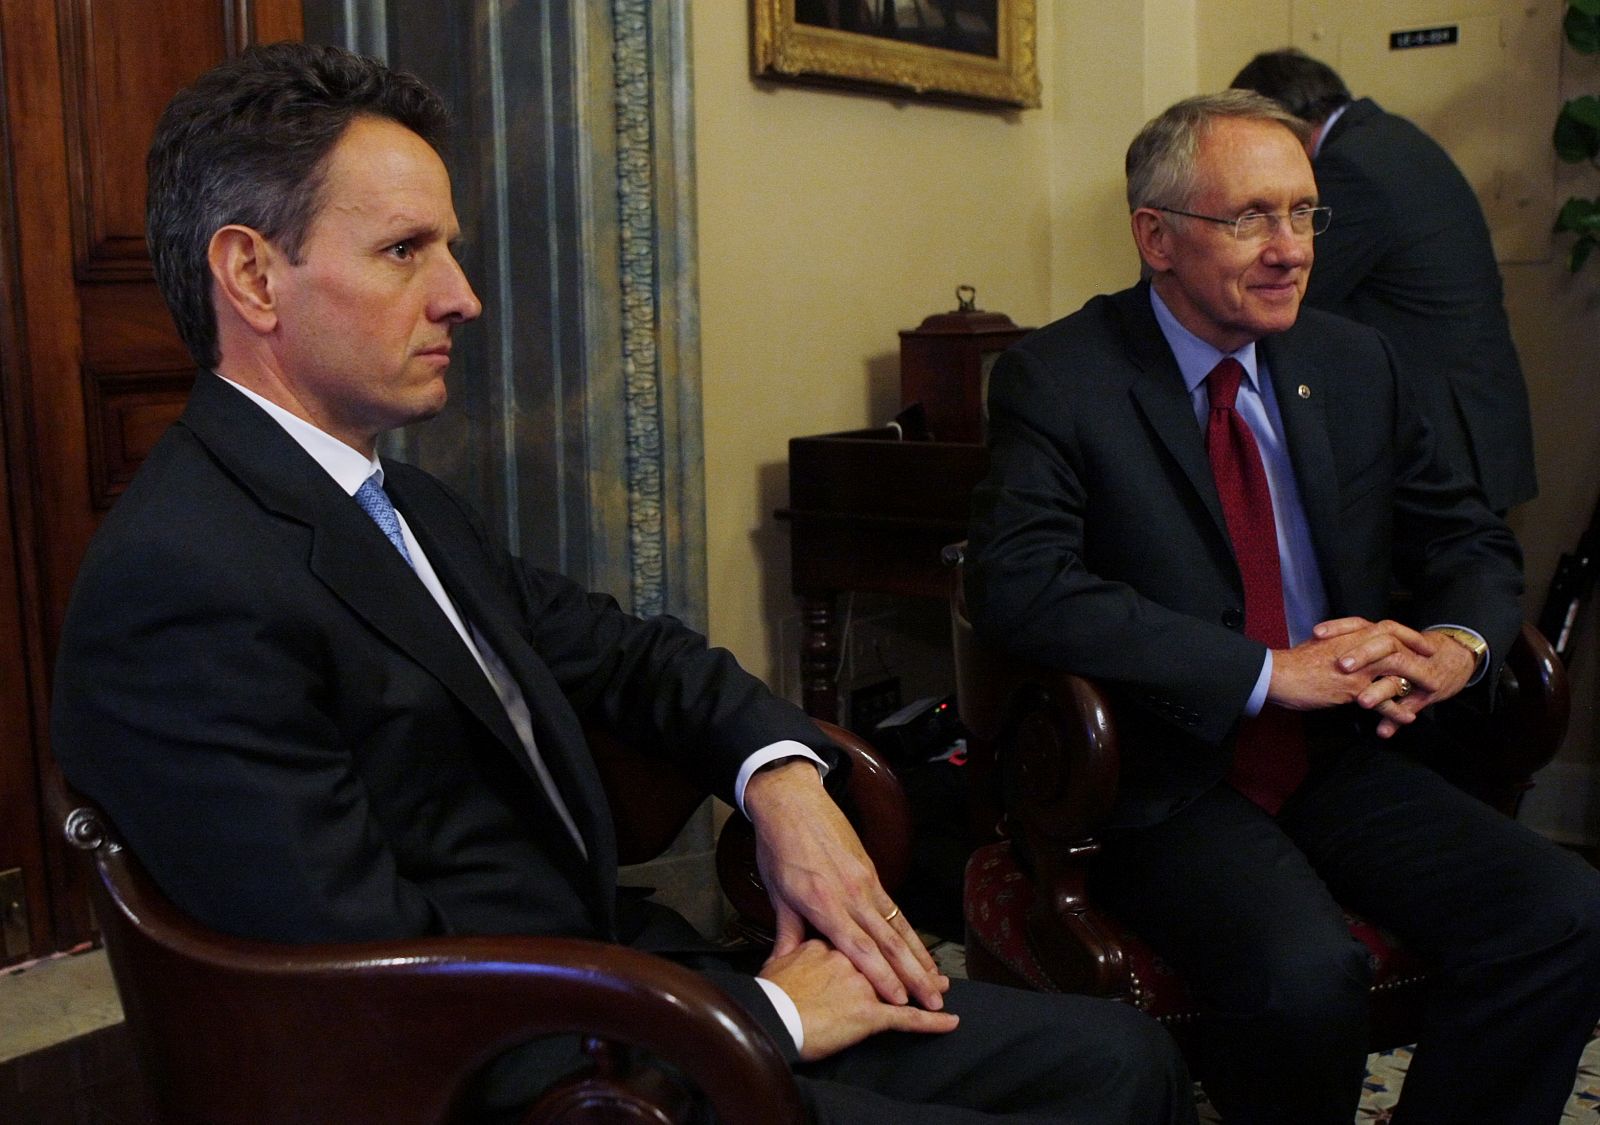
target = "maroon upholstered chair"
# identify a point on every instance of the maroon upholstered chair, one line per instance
(234, 1032)
(1055, 736)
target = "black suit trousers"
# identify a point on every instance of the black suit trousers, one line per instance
(1247, 907)
(1024, 1057)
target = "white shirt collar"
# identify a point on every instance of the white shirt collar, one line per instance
(1327, 124)
(1195, 357)
(348, 467)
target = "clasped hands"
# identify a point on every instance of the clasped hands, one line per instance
(1370, 663)
(859, 976)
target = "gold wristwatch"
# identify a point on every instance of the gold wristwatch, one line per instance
(1472, 642)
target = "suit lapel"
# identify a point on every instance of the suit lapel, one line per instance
(485, 604)
(1159, 391)
(1160, 394)
(348, 553)
(1305, 428)
(351, 556)
(386, 593)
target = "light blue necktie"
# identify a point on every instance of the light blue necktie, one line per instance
(375, 502)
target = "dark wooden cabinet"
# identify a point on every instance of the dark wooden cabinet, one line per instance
(869, 511)
(944, 367)
(872, 510)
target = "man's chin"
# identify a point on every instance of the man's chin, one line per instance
(424, 408)
(1277, 317)
(433, 399)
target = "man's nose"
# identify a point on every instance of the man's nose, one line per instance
(455, 301)
(1286, 248)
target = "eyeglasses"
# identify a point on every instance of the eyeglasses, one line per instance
(1258, 226)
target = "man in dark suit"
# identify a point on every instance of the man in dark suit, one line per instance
(1202, 495)
(1409, 253)
(322, 704)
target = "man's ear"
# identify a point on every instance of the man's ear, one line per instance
(1152, 234)
(242, 266)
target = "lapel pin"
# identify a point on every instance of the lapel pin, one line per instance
(1305, 391)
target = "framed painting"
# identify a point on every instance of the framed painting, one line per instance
(981, 50)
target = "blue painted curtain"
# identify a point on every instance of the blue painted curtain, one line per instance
(574, 421)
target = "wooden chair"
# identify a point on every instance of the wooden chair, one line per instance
(1054, 737)
(234, 1032)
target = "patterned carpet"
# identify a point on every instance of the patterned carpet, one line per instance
(1386, 1071)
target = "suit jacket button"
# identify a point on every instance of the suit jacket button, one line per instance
(1233, 618)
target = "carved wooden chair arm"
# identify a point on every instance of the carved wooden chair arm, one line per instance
(1052, 732)
(1060, 761)
(1534, 701)
(1494, 747)
(395, 1030)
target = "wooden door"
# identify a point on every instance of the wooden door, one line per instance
(91, 369)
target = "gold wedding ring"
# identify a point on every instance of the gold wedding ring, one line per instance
(892, 915)
(1405, 687)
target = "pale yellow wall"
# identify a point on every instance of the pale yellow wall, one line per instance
(1096, 103)
(829, 221)
(1230, 32)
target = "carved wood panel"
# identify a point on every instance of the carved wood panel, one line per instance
(127, 412)
(136, 378)
(91, 371)
(120, 63)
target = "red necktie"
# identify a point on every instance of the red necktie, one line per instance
(1269, 759)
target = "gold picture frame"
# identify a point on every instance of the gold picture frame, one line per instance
(982, 50)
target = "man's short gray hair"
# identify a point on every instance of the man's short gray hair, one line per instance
(1161, 159)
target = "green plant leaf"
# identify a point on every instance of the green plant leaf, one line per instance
(1581, 216)
(1585, 110)
(1579, 253)
(1582, 30)
(1576, 136)
(1577, 133)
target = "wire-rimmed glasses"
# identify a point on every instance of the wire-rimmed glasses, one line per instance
(1258, 226)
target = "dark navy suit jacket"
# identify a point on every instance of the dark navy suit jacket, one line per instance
(1409, 253)
(1098, 543)
(295, 741)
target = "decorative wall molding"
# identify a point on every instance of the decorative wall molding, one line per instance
(640, 359)
(647, 282)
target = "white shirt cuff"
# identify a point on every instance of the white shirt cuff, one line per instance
(787, 1012)
(1258, 696)
(766, 756)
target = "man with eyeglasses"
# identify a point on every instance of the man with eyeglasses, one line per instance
(1412, 257)
(1201, 495)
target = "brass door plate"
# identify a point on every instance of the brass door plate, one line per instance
(13, 914)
